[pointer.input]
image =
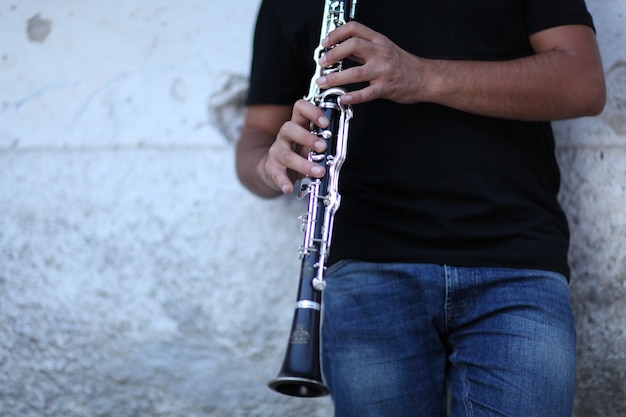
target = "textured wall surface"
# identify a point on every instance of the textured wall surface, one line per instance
(138, 278)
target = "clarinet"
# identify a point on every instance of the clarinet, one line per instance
(300, 375)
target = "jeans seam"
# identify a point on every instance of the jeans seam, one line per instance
(467, 404)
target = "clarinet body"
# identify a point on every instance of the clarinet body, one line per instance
(301, 374)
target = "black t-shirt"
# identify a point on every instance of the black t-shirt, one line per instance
(424, 182)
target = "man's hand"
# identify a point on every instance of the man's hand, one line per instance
(392, 73)
(272, 152)
(286, 159)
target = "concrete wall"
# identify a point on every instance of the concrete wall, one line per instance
(138, 278)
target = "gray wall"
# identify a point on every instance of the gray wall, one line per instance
(138, 278)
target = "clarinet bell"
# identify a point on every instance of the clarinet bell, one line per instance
(298, 387)
(300, 375)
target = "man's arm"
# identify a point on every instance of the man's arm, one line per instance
(563, 79)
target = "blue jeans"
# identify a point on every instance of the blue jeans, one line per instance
(398, 337)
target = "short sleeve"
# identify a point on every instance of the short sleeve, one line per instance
(545, 14)
(280, 69)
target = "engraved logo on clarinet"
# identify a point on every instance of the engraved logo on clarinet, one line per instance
(300, 336)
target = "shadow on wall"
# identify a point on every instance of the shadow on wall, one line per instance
(227, 106)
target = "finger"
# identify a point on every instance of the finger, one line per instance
(282, 181)
(283, 155)
(355, 49)
(362, 73)
(305, 112)
(280, 161)
(292, 133)
(275, 173)
(349, 30)
(364, 95)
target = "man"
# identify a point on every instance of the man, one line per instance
(449, 253)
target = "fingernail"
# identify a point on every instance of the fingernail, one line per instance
(346, 98)
(323, 60)
(322, 121)
(321, 81)
(285, 189)
(319, 146)
(316, 170)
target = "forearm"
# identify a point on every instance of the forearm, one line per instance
(545, 86)
(252, 150)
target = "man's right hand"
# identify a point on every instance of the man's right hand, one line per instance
(272, 151)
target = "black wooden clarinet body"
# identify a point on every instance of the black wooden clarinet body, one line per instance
(301, 374)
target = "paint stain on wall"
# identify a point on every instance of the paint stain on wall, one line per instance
(38, 29)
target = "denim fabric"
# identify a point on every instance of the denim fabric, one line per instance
(397, 336)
